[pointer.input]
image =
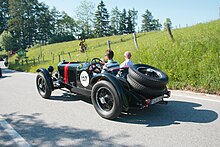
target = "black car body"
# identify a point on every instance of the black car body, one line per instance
(111, 92)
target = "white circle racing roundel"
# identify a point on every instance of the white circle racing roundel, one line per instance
(84, 78)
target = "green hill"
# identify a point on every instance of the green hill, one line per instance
(192, 61)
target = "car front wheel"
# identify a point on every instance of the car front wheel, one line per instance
(42, 86)
(105, 100)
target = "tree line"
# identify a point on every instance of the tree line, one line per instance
(25, 23)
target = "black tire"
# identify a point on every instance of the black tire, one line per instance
(148, 75)
(147, 91)
(105, 100)
(42, 86)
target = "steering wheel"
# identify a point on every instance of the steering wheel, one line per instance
(96, 65)
(96, 60)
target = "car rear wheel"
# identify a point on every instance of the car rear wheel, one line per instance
(105, 100)
(42, 86)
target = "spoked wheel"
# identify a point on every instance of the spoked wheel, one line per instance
(106, 100)
(42, 86)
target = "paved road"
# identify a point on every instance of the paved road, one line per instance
(26, 119)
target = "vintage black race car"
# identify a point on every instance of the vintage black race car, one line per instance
(111, 92)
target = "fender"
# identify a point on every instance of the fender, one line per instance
(47, 77)
(115, 83)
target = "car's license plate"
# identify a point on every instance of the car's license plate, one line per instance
(156, 100)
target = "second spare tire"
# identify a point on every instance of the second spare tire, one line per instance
(147, 91)
(148, 75)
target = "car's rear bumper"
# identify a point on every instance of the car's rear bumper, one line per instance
(159, 99)
(141, 102)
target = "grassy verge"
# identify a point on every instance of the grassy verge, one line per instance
(192, 61)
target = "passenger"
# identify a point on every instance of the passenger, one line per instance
(127, 62)
(111, 64)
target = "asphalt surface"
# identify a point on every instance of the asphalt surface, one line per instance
(26, 119)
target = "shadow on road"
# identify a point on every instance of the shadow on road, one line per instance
(175, 112)
(3, 77)
(6, 71)
(39, 133)
(67, 96)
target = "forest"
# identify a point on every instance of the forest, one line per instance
(26, 23)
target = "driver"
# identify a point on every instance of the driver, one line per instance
(111, 64)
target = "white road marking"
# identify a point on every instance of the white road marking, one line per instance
(194, 97)
(15, 135)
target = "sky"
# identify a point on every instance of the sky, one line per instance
(181, 12)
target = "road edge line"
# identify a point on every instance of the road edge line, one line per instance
(14, 134)
(194, 97)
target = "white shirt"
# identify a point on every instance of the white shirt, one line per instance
(126, 63)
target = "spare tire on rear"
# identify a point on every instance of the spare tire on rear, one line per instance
(148, 75)
(147, 91)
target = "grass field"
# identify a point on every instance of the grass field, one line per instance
(192, 61)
